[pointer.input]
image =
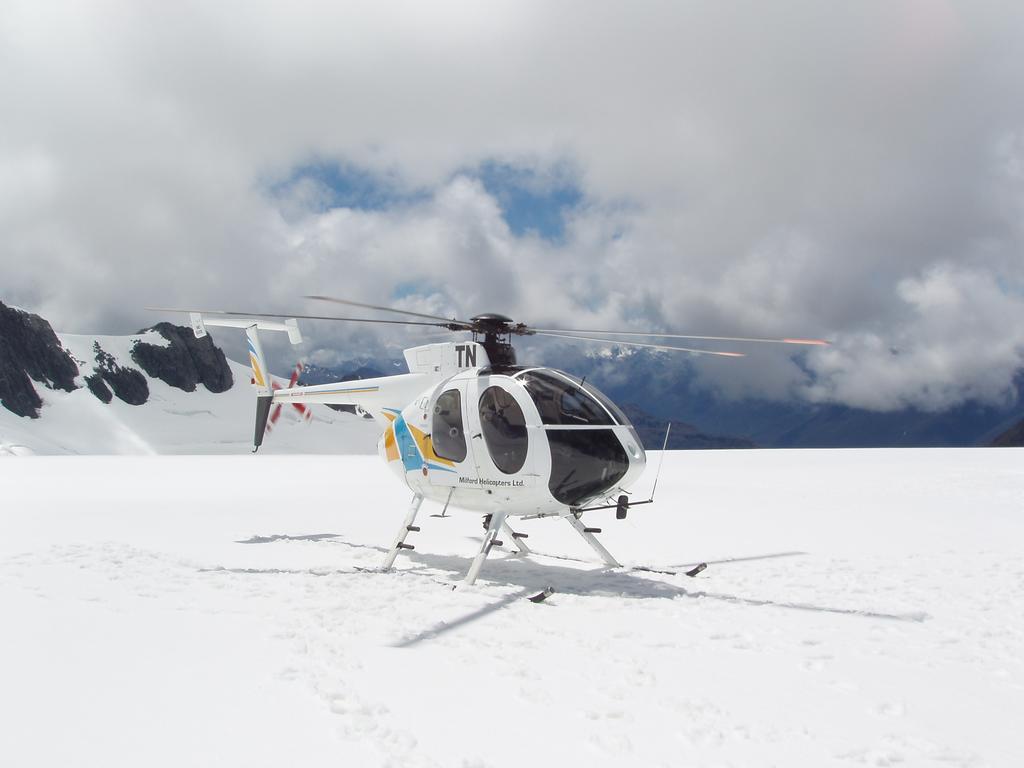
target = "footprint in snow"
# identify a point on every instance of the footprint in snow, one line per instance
(890, 709)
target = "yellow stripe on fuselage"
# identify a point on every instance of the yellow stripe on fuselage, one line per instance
(390, 445)
(426, 445)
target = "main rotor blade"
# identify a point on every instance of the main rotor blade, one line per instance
(638, 344)
(445, 324)
(815, 342)
(348, 303)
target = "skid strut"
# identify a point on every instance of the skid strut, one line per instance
(494, 524)
(405, 530)
(517, 538)
(591, 539)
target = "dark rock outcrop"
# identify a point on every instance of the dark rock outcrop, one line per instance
(30, 350)
(99, 388)
(128, 384)
(186, 361)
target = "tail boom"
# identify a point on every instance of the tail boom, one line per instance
(374, 396)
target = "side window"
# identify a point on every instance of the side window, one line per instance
(446, 431)
(504, 429)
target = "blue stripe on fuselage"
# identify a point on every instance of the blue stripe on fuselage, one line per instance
(407, 448)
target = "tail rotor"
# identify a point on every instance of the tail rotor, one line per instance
(305, 412)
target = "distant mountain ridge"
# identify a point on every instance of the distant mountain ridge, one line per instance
(315, 374)
(660, 388)
(654, 388)
(682, 436)
(157, 391)
(667, 388)
(31, 351)
(1011, 438)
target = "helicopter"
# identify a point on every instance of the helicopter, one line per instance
(470, 428)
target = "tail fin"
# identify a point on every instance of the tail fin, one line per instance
(260, 373)
(264, 385)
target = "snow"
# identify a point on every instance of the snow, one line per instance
(861, 607)
(172, 421)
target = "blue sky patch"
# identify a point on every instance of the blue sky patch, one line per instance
(530, 201)
(348, 186)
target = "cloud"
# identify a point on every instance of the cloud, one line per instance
(962, 339)
(807, 169)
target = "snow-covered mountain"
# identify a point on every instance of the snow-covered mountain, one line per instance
(165, 391)
(157, 391)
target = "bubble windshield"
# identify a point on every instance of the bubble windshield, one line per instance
(562, 401)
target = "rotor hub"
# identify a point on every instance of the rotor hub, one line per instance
(491, 323)
(497, 333)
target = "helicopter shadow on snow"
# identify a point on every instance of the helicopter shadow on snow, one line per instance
(287, 537)
(531, 576)
(600, 581)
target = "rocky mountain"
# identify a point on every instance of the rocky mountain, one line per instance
(31, 351)
(160, 390)
(185, 361)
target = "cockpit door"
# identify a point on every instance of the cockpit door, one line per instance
(444, 418)
(499, 415)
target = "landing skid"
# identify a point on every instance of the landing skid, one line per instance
(692, 573)
(496, 523)
(697, 569)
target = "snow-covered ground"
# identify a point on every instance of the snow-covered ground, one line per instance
(172, 421)
(860, 608)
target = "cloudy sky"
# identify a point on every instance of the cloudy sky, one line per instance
(847, 170)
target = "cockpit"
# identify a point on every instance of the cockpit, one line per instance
(588, 438)
(587, 456)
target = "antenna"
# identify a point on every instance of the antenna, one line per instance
(661, 461)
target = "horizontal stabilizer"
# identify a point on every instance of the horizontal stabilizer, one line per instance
(200, 319)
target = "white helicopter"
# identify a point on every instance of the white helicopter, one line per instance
(469, 428)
